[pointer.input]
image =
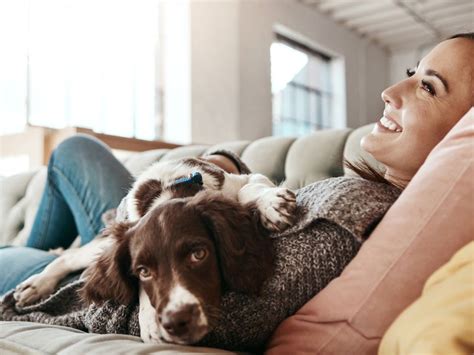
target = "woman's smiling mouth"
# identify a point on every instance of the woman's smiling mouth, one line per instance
(388, 124)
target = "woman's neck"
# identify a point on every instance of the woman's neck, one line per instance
(398, 179)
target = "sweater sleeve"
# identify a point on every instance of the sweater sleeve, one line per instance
(353, 203)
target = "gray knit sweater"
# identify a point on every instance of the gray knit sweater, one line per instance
(334, 218)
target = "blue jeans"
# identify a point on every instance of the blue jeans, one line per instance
(84, 180)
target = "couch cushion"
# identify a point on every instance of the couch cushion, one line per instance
(12, 190)
(315, 157)
(429, 222)
(136, 163)
(236, 147)
(184, 152)
(34, 338)
(19, 199)
(267, 156)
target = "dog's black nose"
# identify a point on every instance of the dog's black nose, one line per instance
(179, 322)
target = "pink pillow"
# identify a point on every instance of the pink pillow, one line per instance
(431, 220)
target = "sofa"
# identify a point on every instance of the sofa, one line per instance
(319, 327)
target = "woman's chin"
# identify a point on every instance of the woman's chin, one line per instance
(380, 140)
(368, 142)
(375, 146)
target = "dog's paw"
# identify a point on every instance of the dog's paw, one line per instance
(277, 208)
(33, 289)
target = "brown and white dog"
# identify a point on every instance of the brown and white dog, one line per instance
(179, 249)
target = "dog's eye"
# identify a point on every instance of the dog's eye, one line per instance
(144, 272)
(198, 255)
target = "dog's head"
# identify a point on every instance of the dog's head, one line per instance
(184, 254)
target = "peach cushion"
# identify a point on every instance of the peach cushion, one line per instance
(430, 221)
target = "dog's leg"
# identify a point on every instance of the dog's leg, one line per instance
(233, 183)
(277, 205)
(41, 285)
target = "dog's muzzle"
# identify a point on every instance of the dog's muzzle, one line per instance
(184, 325)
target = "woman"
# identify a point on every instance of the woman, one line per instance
(419, 111)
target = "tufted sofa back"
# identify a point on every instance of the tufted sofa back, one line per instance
(293, 162)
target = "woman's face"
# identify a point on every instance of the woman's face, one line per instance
(421, 109)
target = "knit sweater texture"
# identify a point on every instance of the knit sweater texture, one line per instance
(334, 217)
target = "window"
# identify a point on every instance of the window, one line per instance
(81, 63)
(301, 88)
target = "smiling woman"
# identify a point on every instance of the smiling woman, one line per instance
(336, 216)
(420, 110)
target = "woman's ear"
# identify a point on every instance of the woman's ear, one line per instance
(244, 249)
(109, 278)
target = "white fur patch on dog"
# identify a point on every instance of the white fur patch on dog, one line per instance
(149, 331)
(180, 297)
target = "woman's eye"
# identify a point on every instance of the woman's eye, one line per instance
(144, 272)
(410, 72)
(198, 255)
(428, 88)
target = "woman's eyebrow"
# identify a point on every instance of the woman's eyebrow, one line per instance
(432, 72)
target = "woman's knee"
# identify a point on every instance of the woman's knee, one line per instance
(77, 146)
(79, 155)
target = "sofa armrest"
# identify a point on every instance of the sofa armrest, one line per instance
(19, 200)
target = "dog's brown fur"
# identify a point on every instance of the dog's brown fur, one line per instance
(240, 253)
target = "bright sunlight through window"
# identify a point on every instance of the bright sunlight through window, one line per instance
(301, 89)
(88, 63)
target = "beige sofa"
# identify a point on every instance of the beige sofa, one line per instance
(295, 162)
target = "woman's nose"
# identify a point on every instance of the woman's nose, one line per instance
(393, 96)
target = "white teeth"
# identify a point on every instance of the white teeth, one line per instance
(387, 123)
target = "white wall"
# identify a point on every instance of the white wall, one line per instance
(400, 61)
(257, 18)
(229, 81)
(215, 71)
(176, 69)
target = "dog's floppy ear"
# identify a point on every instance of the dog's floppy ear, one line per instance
(244, 250)
(144, 195)
(109, 278)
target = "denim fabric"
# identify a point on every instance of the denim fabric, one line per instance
(19, 263)
(84, 180)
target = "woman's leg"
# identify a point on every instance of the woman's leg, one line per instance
(19, 263)
(84, 181)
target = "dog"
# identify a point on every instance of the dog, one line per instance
(178, 260)
(179, 247)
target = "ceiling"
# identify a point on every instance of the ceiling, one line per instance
(400, 24)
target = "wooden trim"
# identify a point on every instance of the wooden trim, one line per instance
(55, 136)
(129, 144)
(302, 46)
(39, 142)
(30, 143)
